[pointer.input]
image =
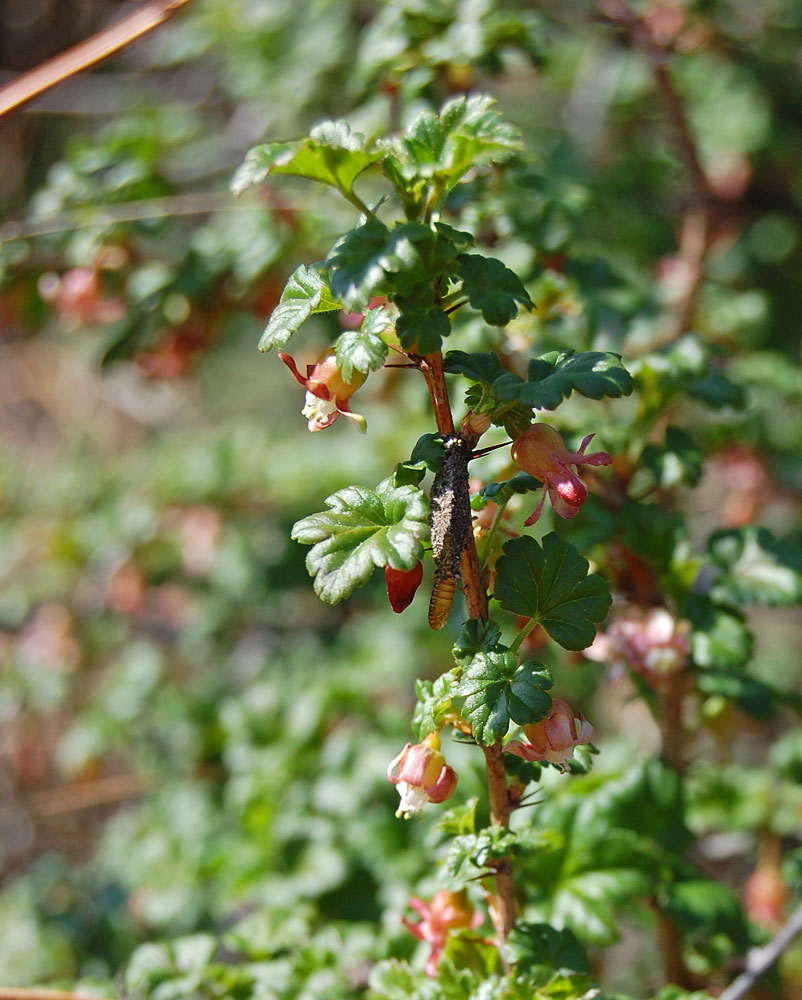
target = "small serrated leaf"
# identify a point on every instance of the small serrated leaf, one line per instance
(483, 689)
(442, 148)
(364, 349)
(484, 368)
(552, 585)
(355, 265)
(477, 636)
(555, 376)
(527, 701)
(433, 704)
(332, 154)
(305, 294)
(361, 530)
(492, 288)
(493, 690)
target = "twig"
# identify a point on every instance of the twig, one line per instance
(87, 53)
(695, 233)
(88, 794)
(760, 960)
(38, 993)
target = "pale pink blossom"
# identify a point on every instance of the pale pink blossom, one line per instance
(554, 738)
(421, 775)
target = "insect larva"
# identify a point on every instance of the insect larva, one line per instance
(450, 523)
(441, 600)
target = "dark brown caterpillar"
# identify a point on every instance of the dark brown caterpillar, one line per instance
(450, 523)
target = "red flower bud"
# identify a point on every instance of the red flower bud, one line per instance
(401, 585)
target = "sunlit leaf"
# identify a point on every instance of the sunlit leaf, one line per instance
(305, 294)
(361, 530)
(551, 584)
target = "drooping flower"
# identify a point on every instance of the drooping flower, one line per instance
(421, 775)
(542, 453)
(447, 911)
(555, 737)
(328, 394)
(652, 643)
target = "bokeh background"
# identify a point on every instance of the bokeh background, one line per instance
(192, 747)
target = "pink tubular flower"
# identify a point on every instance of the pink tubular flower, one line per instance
(652, 643)
(553, 738)
(541, 452)
(446, 912)
(421, 776)
(327, 392)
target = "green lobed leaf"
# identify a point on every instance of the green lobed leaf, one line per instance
(484, 368)
(468, 132)
(754, 566)
(527, 700)
(392, 979)
(332, 154)
(492, 288)
(361, 530)
(553, 377)
(531, 944)
(422, 330)
(471, 854)
(482, 691)
(477, 636)
(433, 704)
(305, 294)
(551, 584)
(364, 350)
(355, 265)
(493, 689)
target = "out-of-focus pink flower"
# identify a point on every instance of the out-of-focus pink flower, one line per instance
(447, 911)
(47, 640)
(767, 895)
(76, 296)
(541, 452)
(652, 643)
(555, 737)
(328, 394)
(421, 775)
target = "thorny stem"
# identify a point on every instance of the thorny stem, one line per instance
(502, 903)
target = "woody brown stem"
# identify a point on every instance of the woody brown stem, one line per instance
(502, 903)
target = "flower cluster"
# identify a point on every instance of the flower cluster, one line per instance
(554, 738)
(421, 775)
(542, 453)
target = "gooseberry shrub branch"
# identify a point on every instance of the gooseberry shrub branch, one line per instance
(414, 277)
(425, 270)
